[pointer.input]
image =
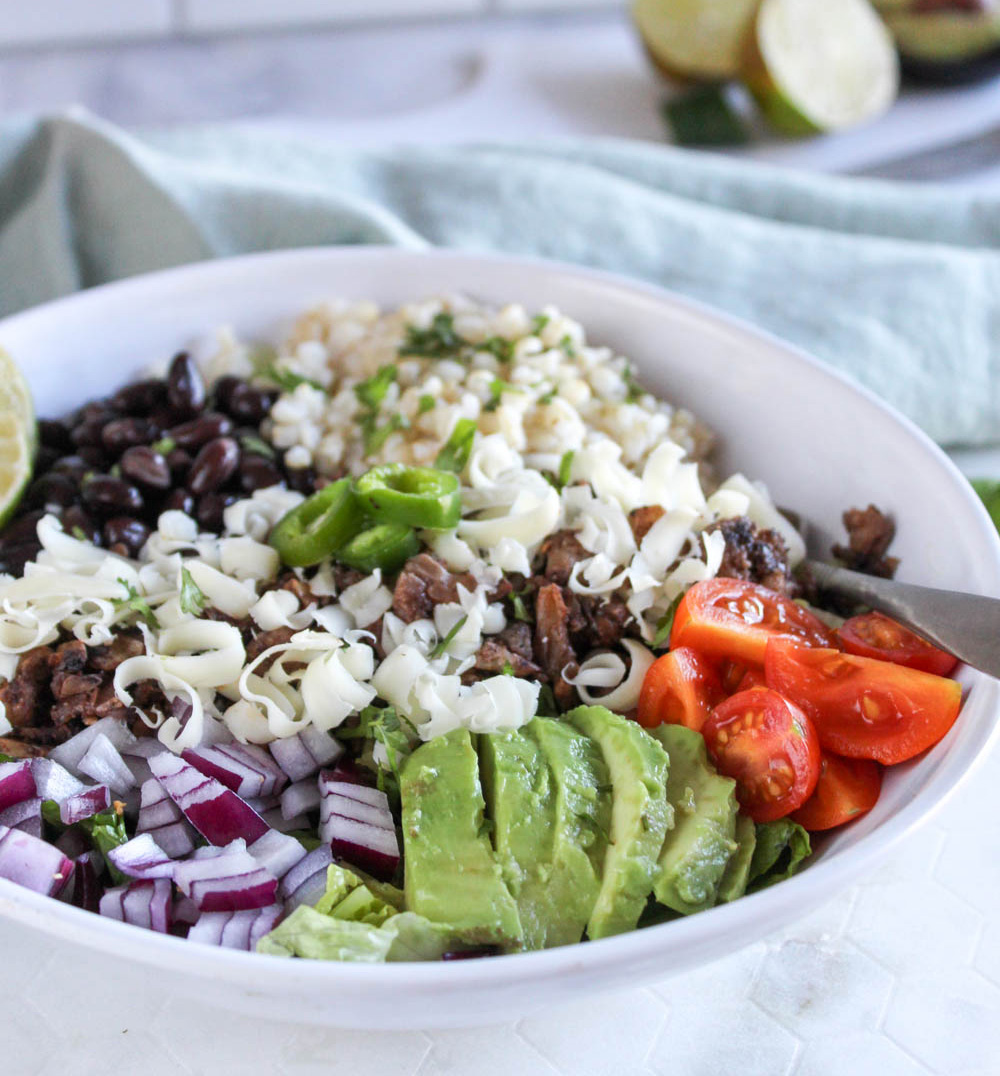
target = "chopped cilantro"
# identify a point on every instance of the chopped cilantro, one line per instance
(565, 468)
(372, 392)
(454, 454)
(193, 601)
(438, 342)
(391, 729)
(78, 532)
(497, 388)
(665, 624)
(566, 343)
(288, 380)
(164, 446)
(499, 347)
(508, 669)
(376, 436)
(426, 403)
(135, 602)
(538, 323)
(106, 830)
(633, 390)
(443, 645)
(6, 758)
(545, 400)
(520, 609)
(256, 446)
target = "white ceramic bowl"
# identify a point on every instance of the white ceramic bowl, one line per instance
(821, 444)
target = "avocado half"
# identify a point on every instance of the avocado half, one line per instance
(945, 40)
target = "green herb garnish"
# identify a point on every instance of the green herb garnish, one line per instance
(288, 380)
(376, 436)
(665, 624)
(565, 468)
(566, 343)
(538, 323)
(443, 645)
(455, 452)
(135, 602)
(437, 342)
(425, 404)
(164, 446)
(78, 532)
(497, 388)
(257, 446)
(372, 392)
(633, 390)
(193, 600)
(501, 348)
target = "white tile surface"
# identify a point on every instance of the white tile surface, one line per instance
(25, 22)
(215, 15)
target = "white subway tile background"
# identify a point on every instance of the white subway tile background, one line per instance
(33, 23)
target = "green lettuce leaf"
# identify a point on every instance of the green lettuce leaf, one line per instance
(781, 847)
(312, 935)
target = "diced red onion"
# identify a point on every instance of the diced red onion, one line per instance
(276, 820)
(30, 862)
(25, 816)
(230, 881)
(105, 765)
(305, 883)
(73, 843)
(70, 753)
(164, 821)
(186, 911)
(357, 821)
(53, 781)
(277, 852)
(300, 798)
(305, 753)
(84, 804)
(16, 783)
(137, 756)
(142, 857)
(236, 930)
(87, 887)
(260, 804)
(248, 770)
(145, 903)
(218, 814)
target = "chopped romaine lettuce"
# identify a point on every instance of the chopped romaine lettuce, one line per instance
(781, 847)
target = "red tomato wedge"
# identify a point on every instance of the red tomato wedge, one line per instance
(769, 746)
(734, 619)
(847, 788)
(752, 678)
(680, 688)
(864, 708)
(875, 635)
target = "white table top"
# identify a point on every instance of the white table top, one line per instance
(899, 976)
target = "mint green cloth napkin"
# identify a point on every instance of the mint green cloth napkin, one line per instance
(897, 285)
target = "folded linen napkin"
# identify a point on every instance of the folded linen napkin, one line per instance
(897, 285)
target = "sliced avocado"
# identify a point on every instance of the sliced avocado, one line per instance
(582, 820)
(737, 872)
(521, 806)
(640, 816)
(451, 874)
(696, 851)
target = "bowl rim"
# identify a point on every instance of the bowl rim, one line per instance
(808, 890)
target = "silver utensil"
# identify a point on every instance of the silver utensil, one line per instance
(966, 625)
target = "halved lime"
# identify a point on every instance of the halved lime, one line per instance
(18, 435)
(820, 66)
(697, 39)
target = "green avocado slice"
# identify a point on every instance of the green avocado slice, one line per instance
(737, 872)
(695, 852)
(640, 817)
(451, 874)
(520, 803)
(581, 822)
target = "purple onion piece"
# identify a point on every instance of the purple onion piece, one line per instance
(104, 764)
(300, 798)
(70, 753)
(53, 781)
(305, 753)
(145, 903)
(142, 857)
(229, 881)
(84, 804)
(87, 887)
(16, 783)
(276, 820)
(277, 852)
(164, 821)
(246, 770)
(305, 883)
(218, 814)
(25, 816)
(29, 861)
(357, 822)
(236, 930)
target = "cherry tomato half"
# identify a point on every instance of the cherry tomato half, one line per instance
(769, 746)
(734, 619)
(863, 708)
(875, 635)
(847, 788)
(752, 678)
(680, 688)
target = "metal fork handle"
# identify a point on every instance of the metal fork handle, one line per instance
(966, 625)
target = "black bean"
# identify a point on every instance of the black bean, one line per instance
(210, 509)
(54, 434)
(97, 411)
(198, 431)
(213, 466)
(94, 457)
(179, 463)
(77, 522)
(23, 529)
(302, 479)
(256, 472)
(45, 457)
(185, 387)
(14, 557)
(88, 431)
(73, 467)
(244, 402)
(123, 433)
(146, 466)
(111, 496)
(52, 488)
(179, 500)
(140, 397)
(127, 532)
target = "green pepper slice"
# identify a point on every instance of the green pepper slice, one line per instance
(319, 526)
(386, 545)
(415, 496)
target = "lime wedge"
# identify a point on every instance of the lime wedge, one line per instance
(18, 435)
(695, 39)
(817, 67)
(949, 35)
